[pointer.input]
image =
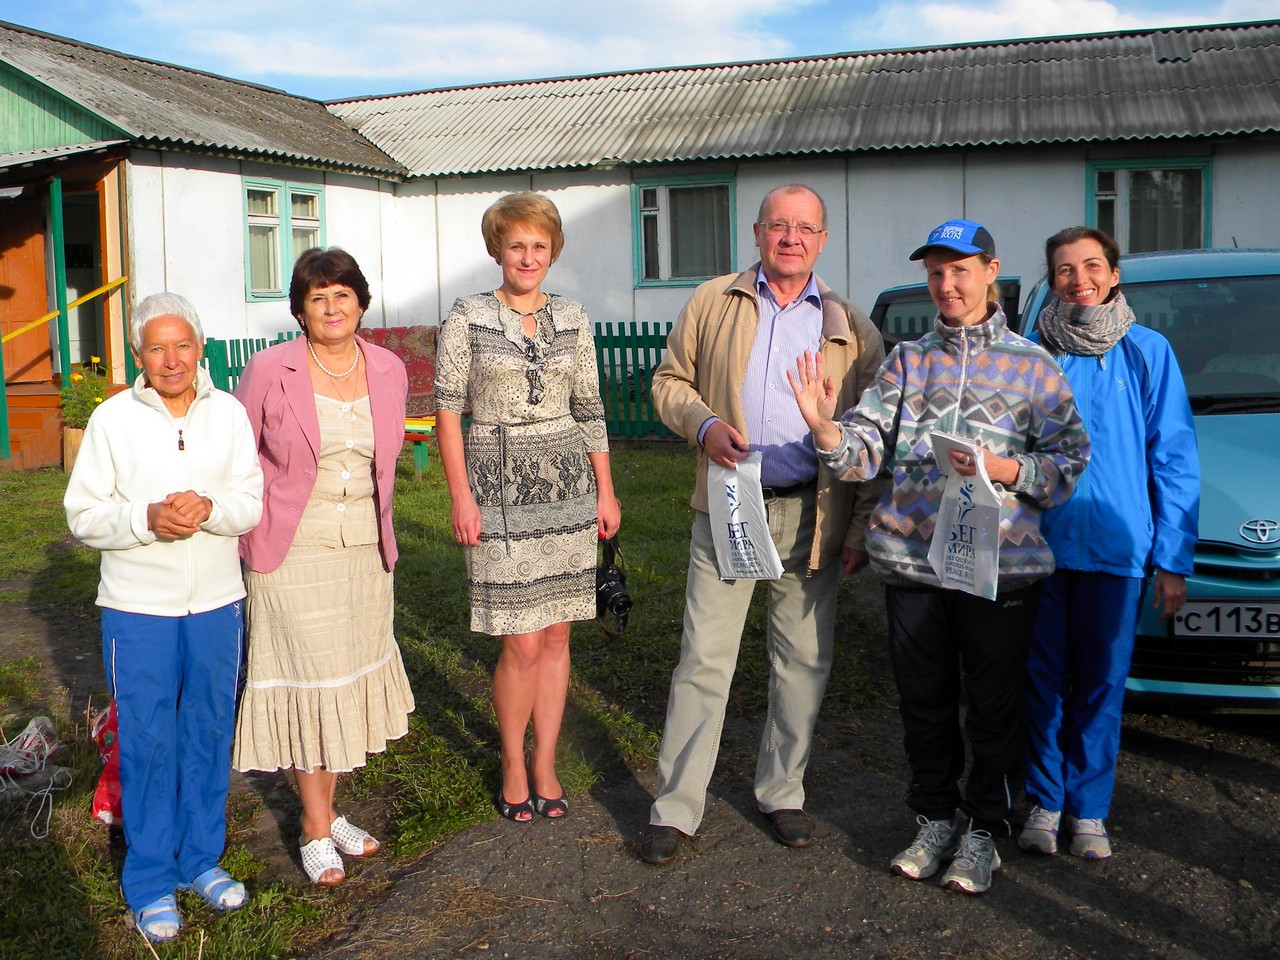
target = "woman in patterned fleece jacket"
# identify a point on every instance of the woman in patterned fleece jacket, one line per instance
(975, 378)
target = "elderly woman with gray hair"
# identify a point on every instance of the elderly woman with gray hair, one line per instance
(165, 483)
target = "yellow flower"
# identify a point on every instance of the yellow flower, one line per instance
(95, 359)
(97, 399)
(77, 377)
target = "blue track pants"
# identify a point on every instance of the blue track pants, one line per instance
(174, 682)
(1076, 668)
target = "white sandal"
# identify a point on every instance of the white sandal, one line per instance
(351, 840)
(320, 856)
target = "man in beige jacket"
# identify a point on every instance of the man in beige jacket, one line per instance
(723, 386)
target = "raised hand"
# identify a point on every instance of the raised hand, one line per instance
(816, 396)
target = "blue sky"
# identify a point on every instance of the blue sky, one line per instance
(330, 49)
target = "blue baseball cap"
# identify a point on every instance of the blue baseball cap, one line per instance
(962, 236)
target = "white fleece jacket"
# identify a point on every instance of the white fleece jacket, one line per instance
(130, 459)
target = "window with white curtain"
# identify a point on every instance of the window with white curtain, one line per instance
(1146, 206)
(683, 230)
(281, 220)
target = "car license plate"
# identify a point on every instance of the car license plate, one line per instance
(1210, 618)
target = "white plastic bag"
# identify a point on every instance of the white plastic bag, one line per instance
(965, 549)
(739, 525)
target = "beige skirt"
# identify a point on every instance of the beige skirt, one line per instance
(325, 683)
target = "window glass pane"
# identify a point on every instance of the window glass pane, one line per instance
(264, 258)
(699, 231)
(1106, 181)
(304, 238)
(305, 205)
(1107, 217)
(649, 231)
(649, 198)
(1165, 210)
(908, 320)
(1221, 330)
(262, 203)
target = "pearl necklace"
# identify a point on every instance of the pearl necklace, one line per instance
(323, 369)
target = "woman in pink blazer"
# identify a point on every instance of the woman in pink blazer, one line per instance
(325, 684)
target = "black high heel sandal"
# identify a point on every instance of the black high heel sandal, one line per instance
(556, 809)
(513, 811)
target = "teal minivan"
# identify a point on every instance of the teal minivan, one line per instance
(1220, 310)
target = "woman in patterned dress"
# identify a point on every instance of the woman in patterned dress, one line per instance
(531, 491)
(325, 685)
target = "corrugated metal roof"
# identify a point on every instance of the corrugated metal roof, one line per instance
(163, 105)
(29, 157)
(1192, 81)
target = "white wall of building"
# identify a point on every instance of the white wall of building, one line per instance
(1246, 195)
(194, 242)
(421, 247)
(410, 254)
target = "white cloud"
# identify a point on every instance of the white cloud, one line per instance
(427, 44)
(340, 48)
(908, 24)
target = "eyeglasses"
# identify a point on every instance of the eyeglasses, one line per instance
(781, 228)
(533, 372)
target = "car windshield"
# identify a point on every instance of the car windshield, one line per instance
(1226, 334)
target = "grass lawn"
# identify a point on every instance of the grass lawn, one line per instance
(59, 897)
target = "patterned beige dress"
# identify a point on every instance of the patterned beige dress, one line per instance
(326, 685)
(536, 415)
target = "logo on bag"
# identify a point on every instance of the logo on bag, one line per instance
(744, 551)
(963, 534)
(737, 529)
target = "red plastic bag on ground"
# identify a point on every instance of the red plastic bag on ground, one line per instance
(106, 798)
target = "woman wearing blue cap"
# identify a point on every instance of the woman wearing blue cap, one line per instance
(974, 378)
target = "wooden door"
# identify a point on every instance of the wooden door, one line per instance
(23, 294)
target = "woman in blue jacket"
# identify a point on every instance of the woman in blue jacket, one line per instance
(1134, 511)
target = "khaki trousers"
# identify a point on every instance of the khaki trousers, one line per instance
(801, 623)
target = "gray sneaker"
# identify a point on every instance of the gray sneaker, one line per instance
(921, 860)
(1040, 832)
(976, 859)
(1089, 839)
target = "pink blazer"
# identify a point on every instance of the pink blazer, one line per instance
(276, 391)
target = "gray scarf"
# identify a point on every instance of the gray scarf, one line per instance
(1087, 331)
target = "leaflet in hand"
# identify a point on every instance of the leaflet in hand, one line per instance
(944, 443)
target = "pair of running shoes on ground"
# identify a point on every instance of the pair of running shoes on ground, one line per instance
(973, 854)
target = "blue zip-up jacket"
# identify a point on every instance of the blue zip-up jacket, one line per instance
(1138, 504)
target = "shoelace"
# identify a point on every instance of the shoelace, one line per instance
(1042, 819)
(976, 848)
(1090, 828)
(933, 833)
(25, 756)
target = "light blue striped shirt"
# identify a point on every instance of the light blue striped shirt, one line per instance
(773, 420)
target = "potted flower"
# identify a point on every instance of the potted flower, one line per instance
(82, 391)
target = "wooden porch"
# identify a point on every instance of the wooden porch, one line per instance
(35, 426)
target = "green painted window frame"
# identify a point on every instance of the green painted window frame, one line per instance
(1203, 164)
(637, 224)
(283, 219)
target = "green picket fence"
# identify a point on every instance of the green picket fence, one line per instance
(225, 359)
(627, 357)
(626, 353)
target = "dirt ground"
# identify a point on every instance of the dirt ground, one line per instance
(1195, 826)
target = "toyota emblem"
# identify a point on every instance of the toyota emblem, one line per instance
(1260, 531)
